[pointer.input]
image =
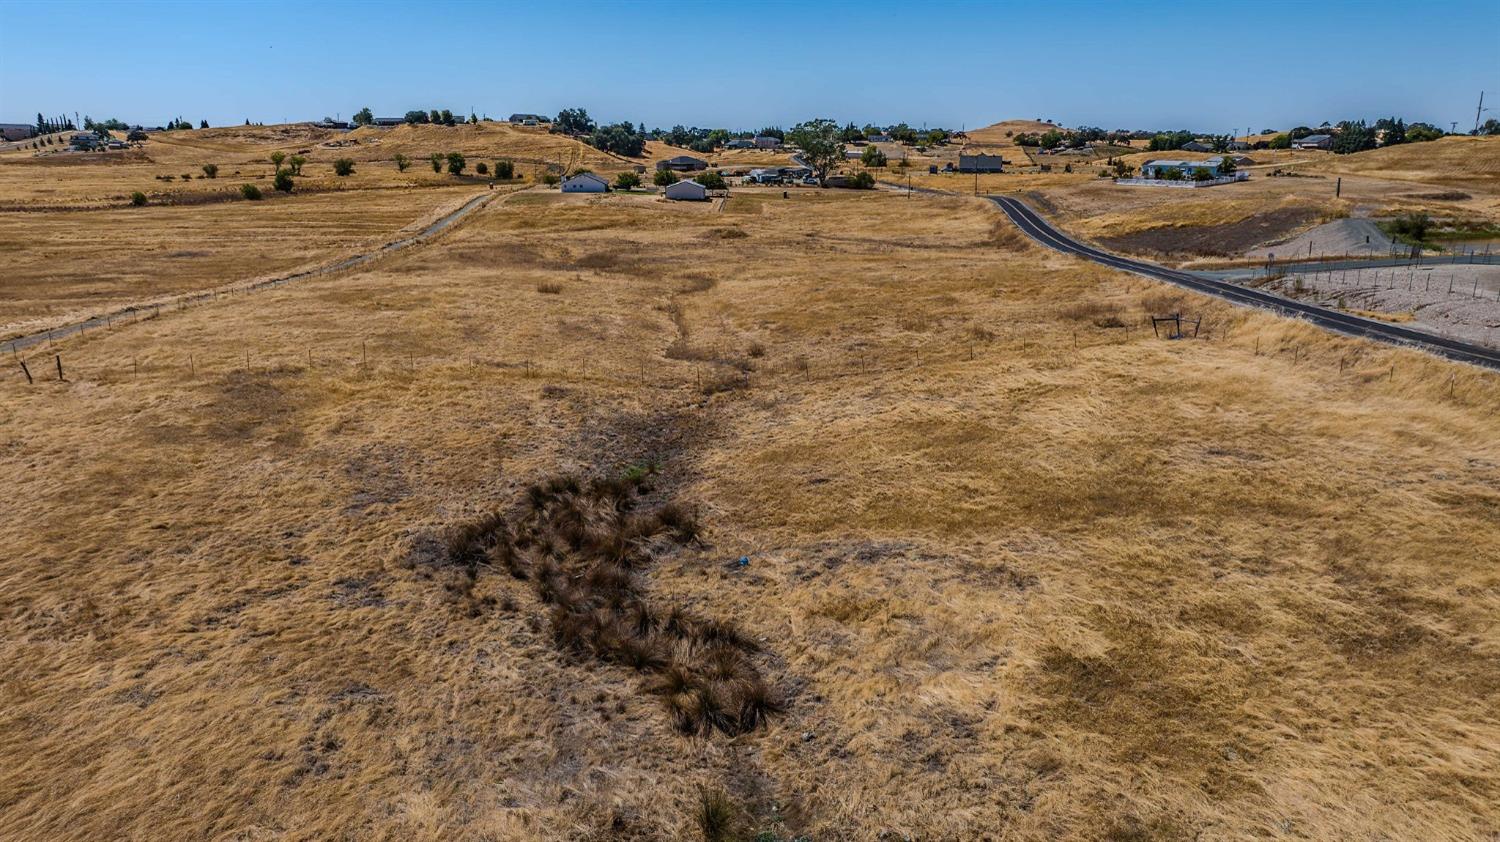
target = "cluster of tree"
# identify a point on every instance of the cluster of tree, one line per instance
(900, 132)
(1354, 136)
(1394, 130)
(573, 121)
(696, 139)
(181, 124)
(110, 125)
(619, 138)
(435, 117)
(1490, 127)
(48, 125)
(872, 157)
(1166, 141)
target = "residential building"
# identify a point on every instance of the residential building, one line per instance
(879, 138)
(387, 122)
(740, 143)
(682, 163)
(1314, 141)
(978, 160)
(527, 119)
(84, 141)
(17, 131)
(585, 182)
(1196, 146)
(1158, 169)
(766, 142)
(687, 191)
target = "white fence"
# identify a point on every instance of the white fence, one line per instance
(1186, 182)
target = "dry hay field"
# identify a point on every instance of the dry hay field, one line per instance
(448, 547)
(77, 248)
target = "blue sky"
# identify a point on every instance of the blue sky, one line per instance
(756, 62)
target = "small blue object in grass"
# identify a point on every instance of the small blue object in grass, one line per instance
(744, 561)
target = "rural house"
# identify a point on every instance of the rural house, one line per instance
(740, 143)
(387, 122)
(1314, 141)
(687, 191)
(766, 142)
(585, 182)
(17, 131)
(979, 161)
(682, 163)
(1160, 169)
(527, 119)
(1196, 146)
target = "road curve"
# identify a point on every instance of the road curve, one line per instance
(21, 343)
(1038, 229)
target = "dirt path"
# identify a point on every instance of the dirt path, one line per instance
(107, 320)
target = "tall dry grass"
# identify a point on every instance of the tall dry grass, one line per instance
(1011, 572)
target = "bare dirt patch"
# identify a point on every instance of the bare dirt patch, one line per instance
(1214, 240)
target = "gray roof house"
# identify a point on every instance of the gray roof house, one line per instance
(766, 142)
(585, 182)
(682, 163)
(980, 161)
(1195, 146)
(1314, 141)
(387, 121)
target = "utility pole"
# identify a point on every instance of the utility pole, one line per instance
(1479, 112)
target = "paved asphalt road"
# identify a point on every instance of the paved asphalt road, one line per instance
(1038, 229)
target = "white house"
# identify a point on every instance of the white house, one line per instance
(687, 191)
(585, 182)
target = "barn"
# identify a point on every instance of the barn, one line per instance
(585, 182)
(687, 191)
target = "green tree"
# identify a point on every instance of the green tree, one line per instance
(402, 162)
(482, 168)
(137, 198)
(415, 117)
(1281, 141)
(862, 180)
(1490, 127)
(435, 117)
(276, 158)
(343, 166)
(664, 178)
(1226, 165)
(294, 164)
(456, 163)
(250, 191)
(627, 181)
(819, 141)
(1422, 132)
(573, 121)
(1122, 169)
(505, 170)
(712, 180)
(1353, 136)
(446, 117)
(283, 181)
(872, 157)
(619, 138)
(436, 159)
(363, 117)
(210, 170)
(1202, 174)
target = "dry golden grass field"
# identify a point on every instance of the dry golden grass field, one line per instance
(291, 565)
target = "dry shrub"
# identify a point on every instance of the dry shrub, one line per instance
(697, 282)
(726, 382)
(980, 333)
(717, 817)
(582, 545)
(728, 233)
(549, 287)
(1100, 313)
(598, 260)
(1162, 301)
(756, 350)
